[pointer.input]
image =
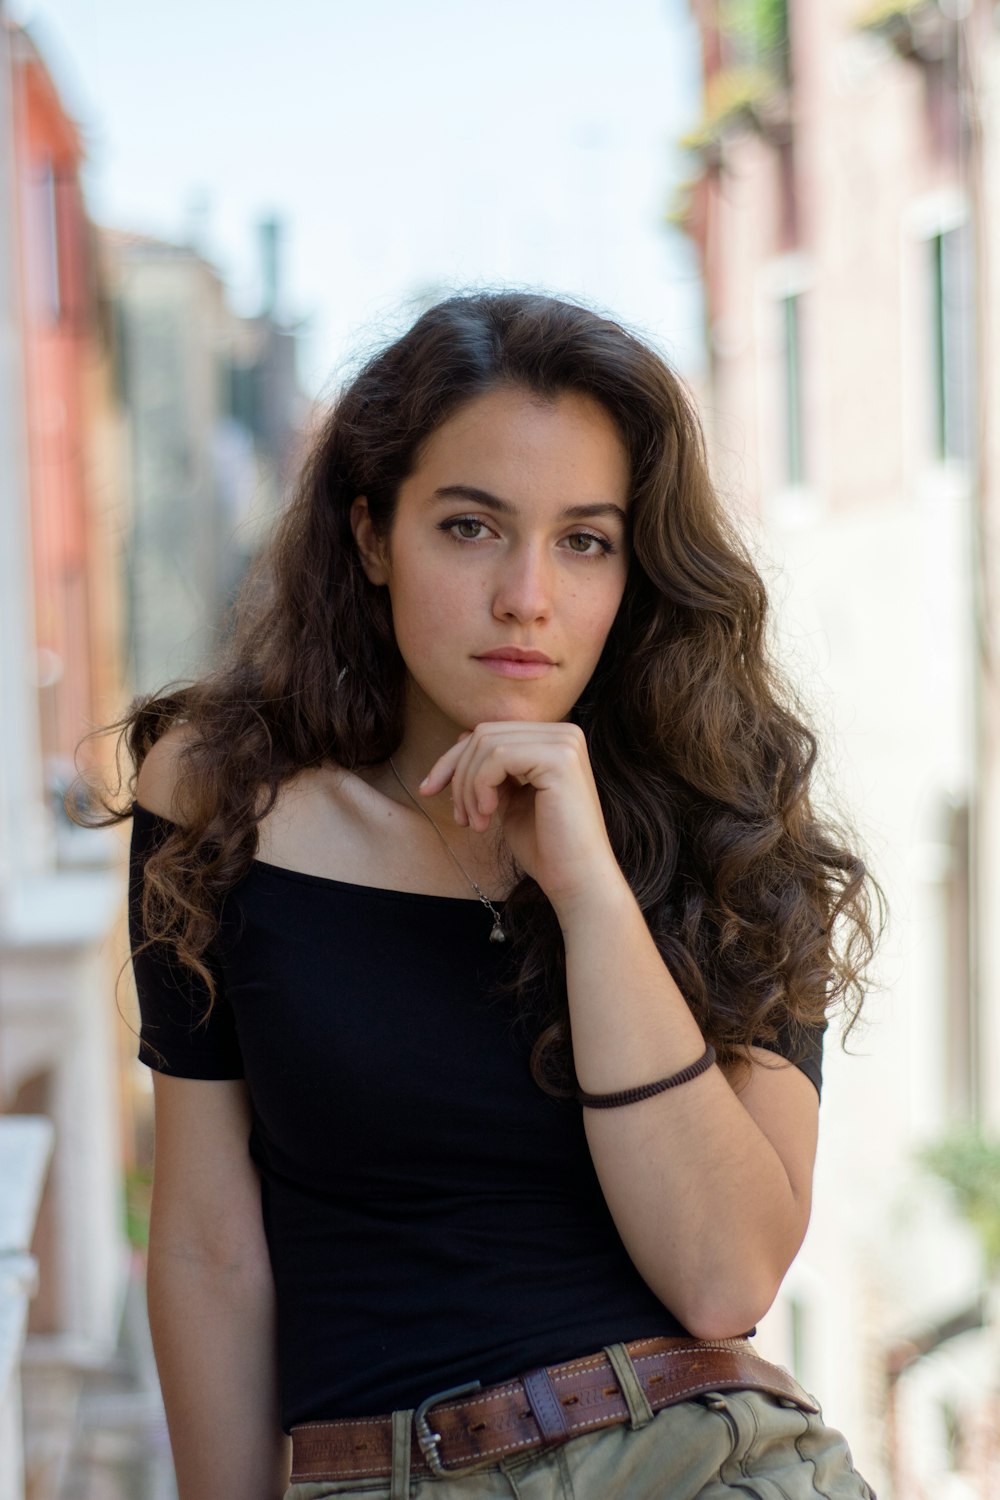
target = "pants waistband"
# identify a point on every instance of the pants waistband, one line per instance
(470, 1426)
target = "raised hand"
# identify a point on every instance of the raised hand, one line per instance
(537, 779)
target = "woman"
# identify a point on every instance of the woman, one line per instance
(484, 937)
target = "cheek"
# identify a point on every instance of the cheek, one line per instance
(427, 604)
(596, 612)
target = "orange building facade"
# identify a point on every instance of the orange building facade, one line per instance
(60, 886)
(57, 302)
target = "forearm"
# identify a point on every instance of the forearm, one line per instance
(213, 1336)
(700, 1197)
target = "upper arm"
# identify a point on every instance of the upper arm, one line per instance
(784, 1105)
(206, 1189)
(188, 1029)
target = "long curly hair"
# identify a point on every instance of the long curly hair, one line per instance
(762, 910)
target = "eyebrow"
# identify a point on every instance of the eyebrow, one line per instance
(505, 508)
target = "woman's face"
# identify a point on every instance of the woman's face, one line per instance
(509, 533)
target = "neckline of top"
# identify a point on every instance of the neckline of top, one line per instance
(309, 878)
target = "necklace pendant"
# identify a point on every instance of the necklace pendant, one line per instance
(497, 935)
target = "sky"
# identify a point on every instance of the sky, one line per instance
(409, 149)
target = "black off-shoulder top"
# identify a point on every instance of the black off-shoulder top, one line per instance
(432, 1216)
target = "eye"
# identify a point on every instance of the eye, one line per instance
(452, 527)
(589, 536)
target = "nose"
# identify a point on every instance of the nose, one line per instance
(523, 589)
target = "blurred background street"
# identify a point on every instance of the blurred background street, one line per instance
(208, 215)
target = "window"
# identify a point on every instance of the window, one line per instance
(790, 308)
(57, 250)
(952, 343)
(788, 464)
(962, 1028)
(46, 232)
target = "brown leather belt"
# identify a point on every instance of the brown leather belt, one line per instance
(470, 1426)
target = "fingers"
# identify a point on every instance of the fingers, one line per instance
(481, 761)
(441, 771)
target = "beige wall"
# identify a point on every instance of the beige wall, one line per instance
(870, 564)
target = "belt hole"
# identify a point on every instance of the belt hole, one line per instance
(610, 1390)
(656, 1379)
(479, 1427)
(570, 1400)
(522, 1415)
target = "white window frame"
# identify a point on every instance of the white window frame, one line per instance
(789, 504)
(927, 475)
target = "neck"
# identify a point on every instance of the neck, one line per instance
(426, 737)
(438, 808)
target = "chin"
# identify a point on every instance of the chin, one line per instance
(520, 703)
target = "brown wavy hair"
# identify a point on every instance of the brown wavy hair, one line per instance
(762, 910)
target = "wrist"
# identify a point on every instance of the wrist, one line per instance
(606, 898)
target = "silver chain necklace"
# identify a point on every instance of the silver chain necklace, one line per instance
(497, 935)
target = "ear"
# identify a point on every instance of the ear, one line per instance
(369, 545)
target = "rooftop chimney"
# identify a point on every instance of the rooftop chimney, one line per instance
(270, 238)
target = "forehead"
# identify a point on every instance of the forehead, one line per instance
(529, 449)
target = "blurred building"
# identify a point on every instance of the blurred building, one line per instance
(845, 204)
(60, 897)
(147, 435)
(214, 412)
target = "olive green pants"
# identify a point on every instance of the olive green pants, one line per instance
(718, 1447)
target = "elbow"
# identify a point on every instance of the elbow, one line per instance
(720, 1323)
(727, 1314)
(225, 1263)
(728, 1306)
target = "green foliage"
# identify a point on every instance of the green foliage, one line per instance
(756, 72)
(677, 210)
(729, 93)
(761, 25)
(970, 1164)
(881, 12)
(138, 1190)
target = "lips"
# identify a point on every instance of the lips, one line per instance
(512, 661)
(515, 653)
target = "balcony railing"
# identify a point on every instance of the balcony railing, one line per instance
(25, 1147)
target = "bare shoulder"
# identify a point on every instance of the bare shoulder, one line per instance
(321, 821)
(158, 784)
(311, 823)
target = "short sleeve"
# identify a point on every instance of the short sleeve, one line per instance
(803, 1046)
(175, 1037)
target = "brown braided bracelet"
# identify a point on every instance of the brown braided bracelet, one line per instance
(647, 1090)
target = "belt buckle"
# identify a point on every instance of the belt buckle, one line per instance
(427, 1439)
